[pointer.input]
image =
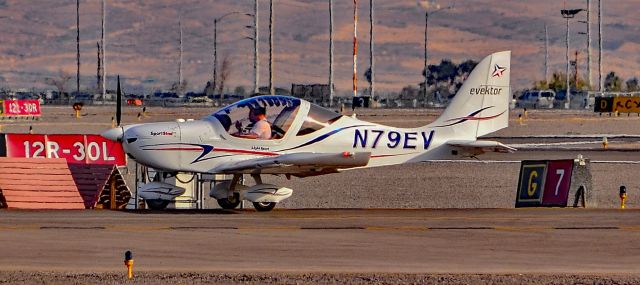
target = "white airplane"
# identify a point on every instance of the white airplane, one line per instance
(308, 140)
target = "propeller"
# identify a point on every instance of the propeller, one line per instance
(116, 134)
(118, 103)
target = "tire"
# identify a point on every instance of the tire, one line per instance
(227, 204)
(157, 204)
(264, 206)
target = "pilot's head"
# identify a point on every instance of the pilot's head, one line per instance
(257, 114)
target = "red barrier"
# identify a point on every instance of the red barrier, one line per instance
(21, 107)
(90, 149)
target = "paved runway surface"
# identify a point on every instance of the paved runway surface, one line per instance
(338, 241)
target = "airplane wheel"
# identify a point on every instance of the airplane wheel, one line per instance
(157, 204)
(264, 206)
(226, 203)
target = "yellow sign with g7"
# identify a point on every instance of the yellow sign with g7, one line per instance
(531, 185)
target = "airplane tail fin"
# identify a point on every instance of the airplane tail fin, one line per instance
(481, 105)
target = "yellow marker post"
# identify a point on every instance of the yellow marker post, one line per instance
(526, 113)
(520, 119)
(128, 262)
(77, 107)
(113, 122)
(605, 142)
(623, 196)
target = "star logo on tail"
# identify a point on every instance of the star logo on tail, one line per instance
(498, 71)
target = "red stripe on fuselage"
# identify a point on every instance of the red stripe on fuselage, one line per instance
(178, 148)
(246, 151)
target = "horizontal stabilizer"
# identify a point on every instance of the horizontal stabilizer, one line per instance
(479, 147)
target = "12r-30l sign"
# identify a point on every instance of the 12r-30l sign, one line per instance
(91, 149)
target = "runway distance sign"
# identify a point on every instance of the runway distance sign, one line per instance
(21, 108)
(544, 183)
(89, 149)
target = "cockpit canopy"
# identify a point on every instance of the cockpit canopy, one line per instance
(280, 114)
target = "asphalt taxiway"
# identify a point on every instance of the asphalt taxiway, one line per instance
(458, 241)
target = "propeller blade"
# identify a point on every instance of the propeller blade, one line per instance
(118, 103)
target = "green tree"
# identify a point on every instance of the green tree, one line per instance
(613, 82)
(632, 85)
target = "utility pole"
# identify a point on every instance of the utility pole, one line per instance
(331, 90)
(256, 63)
(546, 54)
(355, 49)
(78, 46)
(589, 73)
(99, 70)
(426, 70)
(371, 60)
(215, 54)
(180, 63)
(272, 89)
(102, 47)
(601, 79)
(575, 70)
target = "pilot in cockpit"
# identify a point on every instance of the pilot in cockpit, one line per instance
(261, 128)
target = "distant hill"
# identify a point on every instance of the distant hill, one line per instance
(37, 40)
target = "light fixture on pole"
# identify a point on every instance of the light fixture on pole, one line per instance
(568, 14)
(427, 5)
(215, 46)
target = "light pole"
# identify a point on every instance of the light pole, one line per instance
(215, 47)
(568, 14)
(426, 38)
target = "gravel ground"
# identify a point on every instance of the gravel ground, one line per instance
(306, 278)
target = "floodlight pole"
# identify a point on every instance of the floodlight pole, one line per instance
(568, 14)
(331, 90)
(215, 48)
(78, 46)
(601, 79)
(568, 94)
(426, 54)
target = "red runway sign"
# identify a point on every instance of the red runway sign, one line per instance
(21, 107)
(90, 149)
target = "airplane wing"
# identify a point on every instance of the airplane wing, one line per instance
(473, 148)
(298, 164)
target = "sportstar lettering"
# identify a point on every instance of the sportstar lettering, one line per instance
(485, 90)
(162, 133)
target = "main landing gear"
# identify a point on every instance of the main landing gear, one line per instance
(263, 196)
